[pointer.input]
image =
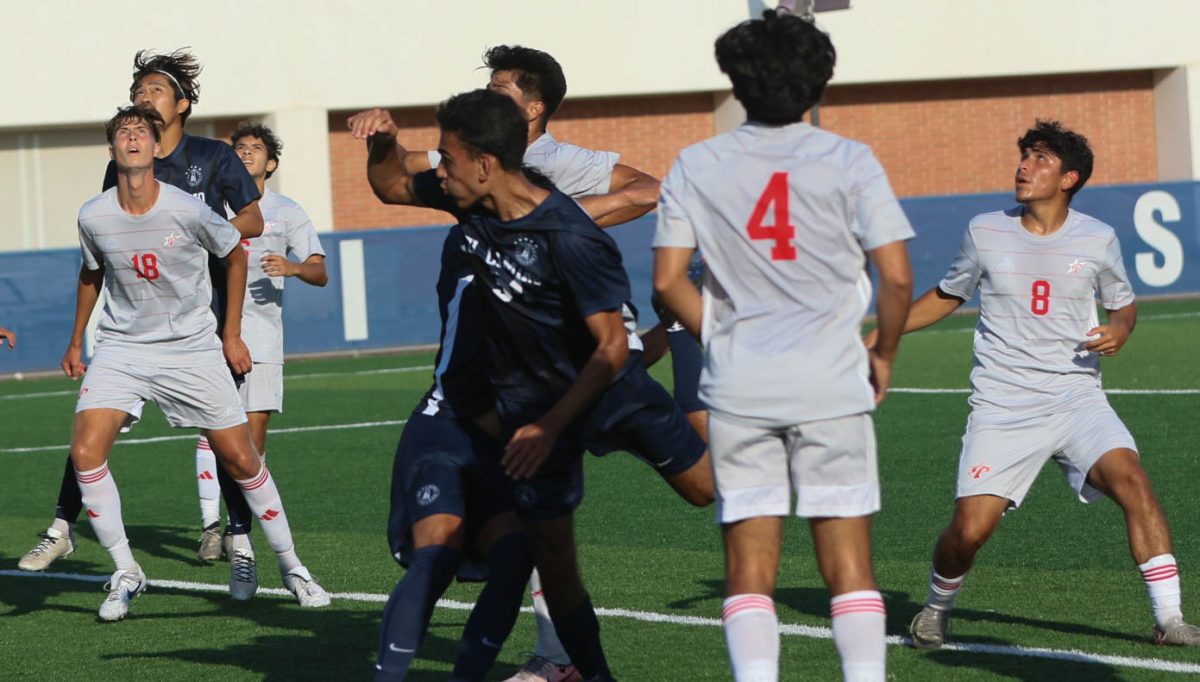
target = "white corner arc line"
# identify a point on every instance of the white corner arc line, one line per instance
(791, 629)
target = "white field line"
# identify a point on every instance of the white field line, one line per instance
(791, 629)
(192, 436)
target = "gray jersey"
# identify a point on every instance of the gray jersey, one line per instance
(1037, 302)
(286, 230)
(576, 171)
(783, 217)
(157, 311)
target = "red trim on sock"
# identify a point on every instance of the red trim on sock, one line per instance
(1160, 573)
(866, 605)
(258, 481)
(749, 602)
(203, 445)
(92, 477)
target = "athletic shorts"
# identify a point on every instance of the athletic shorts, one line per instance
(1004, 460)
(556, 489)
(831, 464)
(190, 397)
(445, 466)
(636, 414)
(261, 390)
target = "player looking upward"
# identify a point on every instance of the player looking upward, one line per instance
(286, 230)
(147, 241)
(786, 217)
(1035, 383)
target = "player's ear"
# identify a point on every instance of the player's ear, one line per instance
(1068, 180)
(535, 109)
(272, 164)
(182, 105)
(110, 152)
(487, 164)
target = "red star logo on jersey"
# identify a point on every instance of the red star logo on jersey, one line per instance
(1075, 266)
(170, 240)
(267, 226)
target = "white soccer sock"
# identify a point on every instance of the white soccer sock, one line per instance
(1161, 576)
(548, 645)
(263, 498)
(102, 503)
(206, 484)
(942, 591)
(752, 634)
(858, 632)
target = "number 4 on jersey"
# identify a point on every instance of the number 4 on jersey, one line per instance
(781, 232)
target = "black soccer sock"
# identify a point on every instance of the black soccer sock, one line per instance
(235, 502)
(70, 497)
(579, 631)
(410, 607)
(496, 610)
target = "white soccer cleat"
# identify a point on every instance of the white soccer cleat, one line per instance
(243, 574)
(1177, 633)
(928, 628)
(54, 545)
(308, 593)
(210, 543)
(122, 587)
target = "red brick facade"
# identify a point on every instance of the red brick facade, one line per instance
(945, 137)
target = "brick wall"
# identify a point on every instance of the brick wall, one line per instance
(959, 137)
(647, 131)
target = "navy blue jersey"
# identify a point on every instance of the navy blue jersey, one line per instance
(540, 275)
(210, 171)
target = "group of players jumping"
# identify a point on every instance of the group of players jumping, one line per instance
(539, 359)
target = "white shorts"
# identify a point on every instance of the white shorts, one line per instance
(261, 390)
(831, 464)
(190, 397)
(1004, 460)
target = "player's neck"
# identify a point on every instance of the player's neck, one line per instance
(1044, 218)
(535, 131)
(261, 183)
(169, 139)
(514, 198)
(137, 191)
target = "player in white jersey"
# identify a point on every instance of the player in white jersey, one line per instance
(148, 243)
(786, 217)
(286, 230)
(1035, 382)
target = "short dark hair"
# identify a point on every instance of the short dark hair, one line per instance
(537, 74)
(274, 144)
(1072, 149)
(131, 113)
(778, 65)
(487, 123)
(181, 69)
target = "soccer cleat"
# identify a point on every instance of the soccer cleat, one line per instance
(243, 574)
(122, 588)
(307, 591)
(227, 543)
(1177, 633)
(210, 543)
(54, 545)
(542, 669)
(928, 628)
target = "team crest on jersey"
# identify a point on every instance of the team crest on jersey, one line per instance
(170, 240)
(526, 251)
(1075, 266)
(194, 176)
(526, 496)
(427, 494)
(109, 244)
(1005, 265)
(268, 225)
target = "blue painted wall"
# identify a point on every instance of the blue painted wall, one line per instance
(1157, 225)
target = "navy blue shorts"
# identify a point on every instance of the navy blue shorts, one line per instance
(637, 414)
(444, 466)
(557, 488)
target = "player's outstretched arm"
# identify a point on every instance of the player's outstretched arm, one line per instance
(11, 338)
(311, 271)
(631, 194)
(531, 444)
(387, 160)
(87, 292)
(1111, 337)
(672, 285)
(249, 220)
(236, 352)
(892, 311)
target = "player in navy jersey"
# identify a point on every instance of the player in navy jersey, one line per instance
(210, 171)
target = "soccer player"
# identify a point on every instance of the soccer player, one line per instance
(147, 242)
(1035, 383)
(786, 217)
(286, 230)
(11, 338)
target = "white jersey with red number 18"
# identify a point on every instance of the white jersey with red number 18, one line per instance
(782, 216)
(1037, 303)
(156, 271)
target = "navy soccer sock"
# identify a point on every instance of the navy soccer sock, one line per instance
(579, 631)
(408, 610)
(496, 610)
(70, 497)
(235, 502)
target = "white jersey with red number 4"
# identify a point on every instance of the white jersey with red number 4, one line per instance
(783, 217)
(156, 272)
(1037, 301)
